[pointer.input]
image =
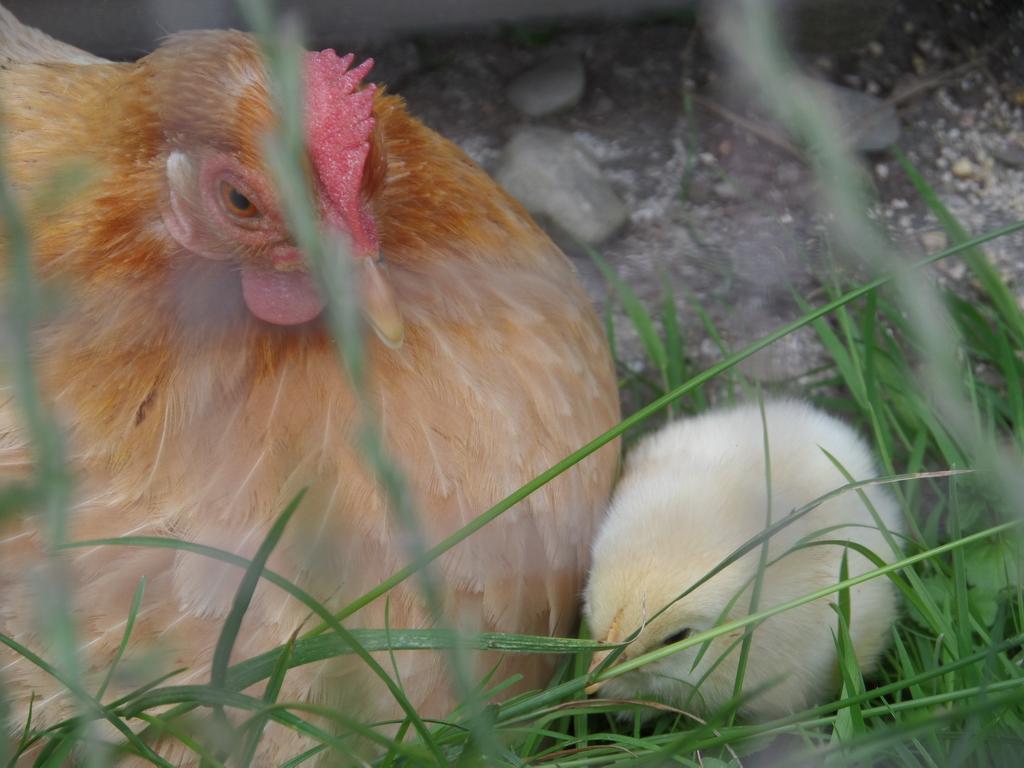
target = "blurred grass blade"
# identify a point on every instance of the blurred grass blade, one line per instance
(762, 562)
(849, 720)
(675, 358)
(253, 730)
(637, 313)
(133, 612)
(85, 699)
(347, 637)
(164, 727)
(240, 605)
(243, 596)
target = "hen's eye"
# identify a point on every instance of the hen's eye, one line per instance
(676, 637)
(236, 203)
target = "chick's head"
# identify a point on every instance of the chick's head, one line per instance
(655, 545)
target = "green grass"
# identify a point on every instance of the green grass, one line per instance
(950, 690)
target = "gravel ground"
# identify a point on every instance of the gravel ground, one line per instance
(726, 215)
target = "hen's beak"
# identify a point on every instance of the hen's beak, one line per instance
(379, 303)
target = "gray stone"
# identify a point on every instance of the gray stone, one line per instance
(555, 84)
(724, 190)
(789, 358)
(869, 123)
(933, 240)
(554, 177)
(1012, 155)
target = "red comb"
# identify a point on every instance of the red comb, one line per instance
(339, 123)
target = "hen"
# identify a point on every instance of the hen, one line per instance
(198, 389)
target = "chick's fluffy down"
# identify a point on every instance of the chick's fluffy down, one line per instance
(690, 495)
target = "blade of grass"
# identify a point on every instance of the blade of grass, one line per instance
(204, 695)
(243, 596)
(997, 291)
(637, 313)
(849, 720)
(84, 698)
(348, 638)
(133, 612)
(240, 605)
(58, 753)
(253, 729)
(309, 754)
(762, 562)
(675, 359)
(162, 726)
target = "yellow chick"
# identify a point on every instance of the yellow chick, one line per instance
(690, 495)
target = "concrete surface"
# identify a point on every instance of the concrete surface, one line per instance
(128, 28)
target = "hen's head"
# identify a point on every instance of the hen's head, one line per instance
(213, 100)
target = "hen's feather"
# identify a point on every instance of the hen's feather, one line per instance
(20, 43)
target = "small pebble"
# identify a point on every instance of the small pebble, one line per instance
(963, 168)
(1011, 155)
(554, 85)
(551, 174)
(724, 191)
(933, 240)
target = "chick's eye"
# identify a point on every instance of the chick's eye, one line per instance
(236, 203)
(676, 637)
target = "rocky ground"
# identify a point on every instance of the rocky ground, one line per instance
(630, 138)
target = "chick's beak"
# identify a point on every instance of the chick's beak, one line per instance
(612, 636)
(595, 662)
(379, 303)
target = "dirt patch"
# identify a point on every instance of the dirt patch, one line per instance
(724, 217)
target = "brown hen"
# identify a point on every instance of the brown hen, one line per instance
(198, 389)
